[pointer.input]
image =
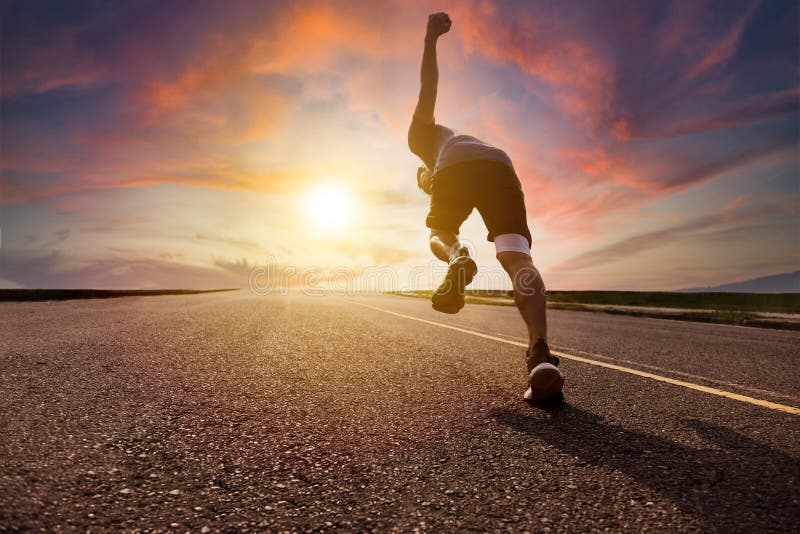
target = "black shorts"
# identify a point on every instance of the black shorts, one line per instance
(490, 186)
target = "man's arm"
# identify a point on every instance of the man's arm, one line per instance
(438, 24)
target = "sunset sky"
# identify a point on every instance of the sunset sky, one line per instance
(150, 144)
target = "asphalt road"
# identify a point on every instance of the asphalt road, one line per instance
(230, 411)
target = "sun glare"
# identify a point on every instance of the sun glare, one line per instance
(329, 207)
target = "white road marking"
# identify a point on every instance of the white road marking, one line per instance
(663, 370)
(689, 385)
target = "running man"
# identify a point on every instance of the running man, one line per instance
(462, 173)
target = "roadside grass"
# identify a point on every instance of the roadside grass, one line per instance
(738, 302)
(733, 303)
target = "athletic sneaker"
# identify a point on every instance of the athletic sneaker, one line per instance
(449, 296)
(545, 379)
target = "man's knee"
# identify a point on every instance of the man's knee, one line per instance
(443, 235)
(514, 261)
(524, 275)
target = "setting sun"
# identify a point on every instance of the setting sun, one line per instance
(329, 207)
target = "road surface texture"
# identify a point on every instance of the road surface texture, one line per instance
(290, 413)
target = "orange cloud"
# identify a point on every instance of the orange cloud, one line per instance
(219, 97)
(726, 47)
(581, 79)
(73, 78)
(669, 173)
(310, 36)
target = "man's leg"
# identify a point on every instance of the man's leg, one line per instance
(544, 378)
(445, 245)
(529, 293)
(501, 203)
(449, 296)
(452, 200)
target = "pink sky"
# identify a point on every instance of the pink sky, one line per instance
(178, 144)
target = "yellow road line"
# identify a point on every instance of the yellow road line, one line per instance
(663, 370)
(697, 387)
(690, 375)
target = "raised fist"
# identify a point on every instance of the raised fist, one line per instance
(438, 24)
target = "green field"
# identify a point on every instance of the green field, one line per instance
(743, 302)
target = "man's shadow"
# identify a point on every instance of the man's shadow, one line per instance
(733, 484)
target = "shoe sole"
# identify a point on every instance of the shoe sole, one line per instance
(463, 274)
(447, 309)
(545, 381)
(549, 402)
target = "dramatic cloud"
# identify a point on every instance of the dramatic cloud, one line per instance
(57, 269)
(244, 244)
(726, 47)
(756, 108)
(738, 213)
(610, 110)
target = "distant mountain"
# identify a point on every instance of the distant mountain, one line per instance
(777, 283)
